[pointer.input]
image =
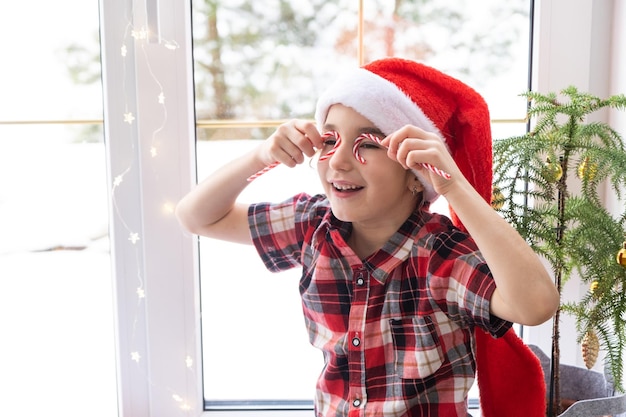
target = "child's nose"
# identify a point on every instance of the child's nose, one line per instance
(342, 157)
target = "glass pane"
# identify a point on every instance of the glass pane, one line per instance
(268, 60)
(484, 43)
(56, 307)
(51, 59)
(255, 344)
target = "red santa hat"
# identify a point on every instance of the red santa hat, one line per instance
(394, 92)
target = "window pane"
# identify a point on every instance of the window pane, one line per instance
(269, 60)
(484, 44)
(254, 340)
(57, 353)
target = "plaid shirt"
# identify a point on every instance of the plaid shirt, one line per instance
(396, 328)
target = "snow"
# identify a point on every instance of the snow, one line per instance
(56, 311)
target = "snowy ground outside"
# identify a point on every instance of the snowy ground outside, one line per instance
(57, 355)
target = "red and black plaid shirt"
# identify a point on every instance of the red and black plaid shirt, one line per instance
(396, 328)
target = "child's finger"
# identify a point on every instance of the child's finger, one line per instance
(311, 139)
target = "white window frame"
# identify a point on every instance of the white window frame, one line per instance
(158, 336)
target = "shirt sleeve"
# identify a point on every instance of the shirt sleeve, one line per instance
(461, 282)
(278, 230)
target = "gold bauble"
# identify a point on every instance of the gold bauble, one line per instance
(552, 171)
(497, 198)
(590, 348)
(587, 170)
(621, 256)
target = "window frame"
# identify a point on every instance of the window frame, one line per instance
(158, 336)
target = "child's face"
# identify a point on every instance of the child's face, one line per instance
(371, 193)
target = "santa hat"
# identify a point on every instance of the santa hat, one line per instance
(394, 92)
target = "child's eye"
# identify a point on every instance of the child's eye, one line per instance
(330, 138)
(369, 145)
(369, 141)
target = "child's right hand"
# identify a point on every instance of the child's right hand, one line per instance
(290, 143)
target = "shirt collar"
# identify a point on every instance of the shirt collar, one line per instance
(396, 251)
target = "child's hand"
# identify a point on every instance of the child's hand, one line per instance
(290, 143)
(412, 147)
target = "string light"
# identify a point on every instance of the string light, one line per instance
(168, 208)
(141, 36)
(134, 238)
(118, 180)
(141, 293)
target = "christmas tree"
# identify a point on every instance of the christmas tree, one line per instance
(547, 185)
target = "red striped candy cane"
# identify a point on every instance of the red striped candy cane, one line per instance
(374, 138)
(331, 134)
(263, 171)
(330, 153)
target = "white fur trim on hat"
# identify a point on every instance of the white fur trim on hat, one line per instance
(381, 102)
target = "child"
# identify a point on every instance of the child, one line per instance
(397, 298)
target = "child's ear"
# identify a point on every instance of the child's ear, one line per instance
(415, 185)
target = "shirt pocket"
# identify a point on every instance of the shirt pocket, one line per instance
(417, 351)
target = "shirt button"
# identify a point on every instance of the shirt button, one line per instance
(360, 281)
(356, 402)
(356, 341)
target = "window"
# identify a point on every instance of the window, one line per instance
(267, 61)
(58, 349)
(159, 350)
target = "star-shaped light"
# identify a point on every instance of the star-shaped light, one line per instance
(161, 98)
(135, 356)
(141, 293)
(118, 180)
(124, 50)
(139, 34)
(128, 118)
(189, 361)
(134, 237)
(177, 398)
(153, 151)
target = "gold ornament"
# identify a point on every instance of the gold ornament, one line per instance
(552, 171)
(621, 256)
(587, 170)
(497, 198)
(593, 287)
(590, 348)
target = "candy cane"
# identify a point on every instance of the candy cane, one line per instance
(355, 152)
(263, 171)
(331, 134)
(374, 138)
